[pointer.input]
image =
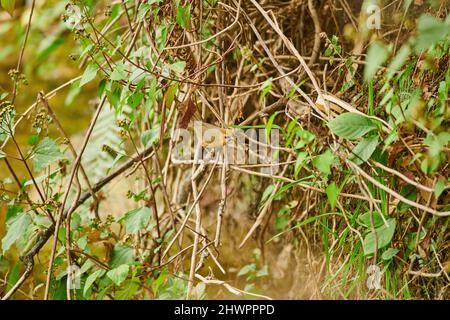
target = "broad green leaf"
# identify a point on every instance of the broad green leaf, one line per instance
(364, 150)
(8, 5)
(376, 56)
(136, 220)
(12, 212)
(122, 254)
(46, 153)
(135, 99)
(150, 136)
(119, 274)
(89, 74)
(86, 266)
(351, 125)
(128, 290)
(17, 227)
(184, 16)
(119, 72)
(91, 279)
(389, 254)
(306, 137)
(384, 235)
(332, 194)
(364, 219)
(323, 162)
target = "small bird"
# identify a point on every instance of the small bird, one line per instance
(211, 135)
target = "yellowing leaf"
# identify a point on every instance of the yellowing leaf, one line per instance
(8, 5)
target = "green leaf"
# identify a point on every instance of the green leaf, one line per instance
(13, 276)
(301, 157)
(306, 137)
(184, 16)
(351, 125)
(150, 136)
(91, 279)
(364, 219)
(46, 153)
(8, 5)
(6, 123)
(136, 220)
(323, 162)
(439, 188)
(264, 271)
(118, 73)
(17, 227)
(42, 178)
(86, 266)
(119, 274)
(128, 291)
(270, 124)
(268, 192)
(364, 150)
(121, 254)
(281, 222)
(265, 88)
(247, 269)
(332, 194)
(89, 74)
(384, 235)
(376, 56)
(2, 155)
(389, 254)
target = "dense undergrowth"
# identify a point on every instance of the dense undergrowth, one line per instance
(356, 205)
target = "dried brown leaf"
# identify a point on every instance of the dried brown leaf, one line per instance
(186, 111)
